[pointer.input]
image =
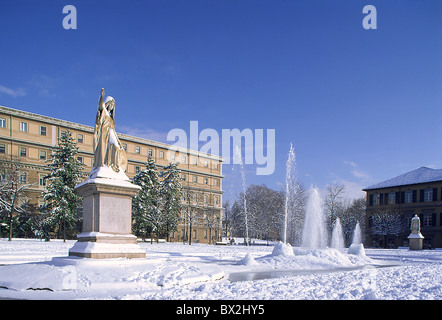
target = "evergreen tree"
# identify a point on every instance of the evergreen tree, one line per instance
(171, 193)
(146, 213)
(61, 201)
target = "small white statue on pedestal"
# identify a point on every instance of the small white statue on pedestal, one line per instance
(416, 237)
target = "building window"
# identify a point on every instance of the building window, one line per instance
(216, 165)
(63, 133)
(80, 159)
(161, 154)
(184, 159)
(2, 123)
(2, 148)
(195, 161)
(125, 146)
(137, 149)
(428, 195)
(23, 177)
(376, 199)
(23, 152)
(409, 196)
(428, 221)
(206, 180)
(137, 169)
(205, 233)
(150, 152)
(195, 179)
(42, 130)
(23, 126)
(42, 181)
(206, 163)
(184, 177)
(42, 155)
(80, 138)
(216, 200)
(392, 198)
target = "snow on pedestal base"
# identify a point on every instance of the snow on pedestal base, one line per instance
(416, 241)
(98, 245)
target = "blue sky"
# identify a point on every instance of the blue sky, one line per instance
(360, 106)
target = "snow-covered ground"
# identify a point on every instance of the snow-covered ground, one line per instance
(33, 269)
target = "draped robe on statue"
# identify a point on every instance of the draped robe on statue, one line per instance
(108, 150)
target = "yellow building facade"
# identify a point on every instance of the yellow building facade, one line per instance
(28, 137)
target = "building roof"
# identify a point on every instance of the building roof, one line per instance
(420, 175)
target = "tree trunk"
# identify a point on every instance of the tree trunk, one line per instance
(10, 225)
(11, 215)
(190, 233)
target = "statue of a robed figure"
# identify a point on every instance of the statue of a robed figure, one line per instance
(107, 195)
(416, 239)
(108, 150)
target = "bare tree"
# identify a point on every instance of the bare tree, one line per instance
(211, 220)
(14, 182)
(192, 213)
(333, 203)
(296, 212)
(265, 212)
(350, 216)
(227, 219)
(387, 222)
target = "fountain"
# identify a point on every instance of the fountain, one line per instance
(289, 187)
(357, 236)
(314, 234)
(337, 240)
(244, 188)
(356, 246)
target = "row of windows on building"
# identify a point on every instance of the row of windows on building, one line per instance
(195, 233)
(193, 199)
(195, 179)
(137, 149)
(427, 219)
(409, 196)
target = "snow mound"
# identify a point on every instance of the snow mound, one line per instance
(357, 249)
(248, 260)
(176, 274)
(322, 258)
(282, 249)
(38, 276)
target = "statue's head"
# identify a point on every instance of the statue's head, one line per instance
(109, 102)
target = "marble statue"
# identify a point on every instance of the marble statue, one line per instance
(415, 225)
(108, 150)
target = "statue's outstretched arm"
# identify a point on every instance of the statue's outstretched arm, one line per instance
(100, 102)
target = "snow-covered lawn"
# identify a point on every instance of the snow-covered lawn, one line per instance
(33, 269)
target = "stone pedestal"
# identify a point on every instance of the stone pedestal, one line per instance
(416, 241)
(107, 220)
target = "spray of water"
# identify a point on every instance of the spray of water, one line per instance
(337, 240)
(357, 236)
(244, 188)
(289, 188)
(314, 234)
